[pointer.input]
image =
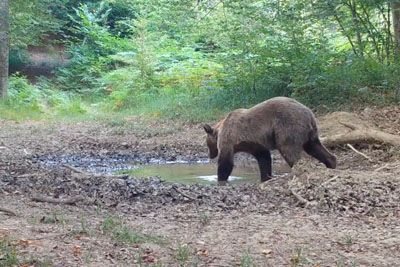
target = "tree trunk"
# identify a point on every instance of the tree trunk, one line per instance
(353, 7)
(4, 47)
(396, 29)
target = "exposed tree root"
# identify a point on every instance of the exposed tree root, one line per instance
(184, 194)
(8, 211)
(342, 128)
(360, 153)
(66, 201)
(299, 198)
(362, 136)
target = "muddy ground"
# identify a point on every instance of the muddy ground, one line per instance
(311, 217)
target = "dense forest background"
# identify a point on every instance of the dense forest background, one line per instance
(195, 59)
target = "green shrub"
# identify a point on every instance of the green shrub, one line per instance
(23, 94)
(89, 53)
(359, 82)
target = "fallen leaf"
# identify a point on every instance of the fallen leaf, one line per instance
(202, 252)
(76, 250)
(148, 258)
(26, 242)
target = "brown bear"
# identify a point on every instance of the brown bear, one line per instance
(278, 123)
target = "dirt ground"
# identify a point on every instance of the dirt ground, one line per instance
(313, 216)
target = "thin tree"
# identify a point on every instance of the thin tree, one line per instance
(396, 28)
(4, 47)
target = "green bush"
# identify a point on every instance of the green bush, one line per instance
(22, 93)
(359, 82)
(89, 52)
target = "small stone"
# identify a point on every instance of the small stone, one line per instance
(266, 251)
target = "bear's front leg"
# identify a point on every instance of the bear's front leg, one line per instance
(225, 167)
(265, 164)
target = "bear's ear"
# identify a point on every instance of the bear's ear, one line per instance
(208, 129)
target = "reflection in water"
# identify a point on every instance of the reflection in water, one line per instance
(213, 178)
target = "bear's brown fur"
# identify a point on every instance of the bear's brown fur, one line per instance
(278, 123)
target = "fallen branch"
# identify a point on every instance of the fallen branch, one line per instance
(386, 166)
(83, 173)
(50, 236)
(348, 125)
(301, 199)
(266, 184)
(359, 153)
(8, 211)
(4, 146)
(74, 169)
(66, 201)
(184, 194)
(330, 180)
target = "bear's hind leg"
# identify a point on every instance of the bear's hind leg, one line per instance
(315, 149)
(264, 163)
(291, 153)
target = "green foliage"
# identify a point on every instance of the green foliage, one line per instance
(88, 54)
(26, 100)
(246, 260)
(123, 234)
(195, 60)
(32, 21)
(22, 93)
(8, 254)
(182, 254)
(358, 82)
(18, 58)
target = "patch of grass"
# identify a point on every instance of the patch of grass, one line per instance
(9, 257)
(182, 254)
(181, 106)
(19, 113)
(8, 254)
(204, 218)
(109, 224)
(74, 107)
(126, 235)
(123, 234)
(53, 218)
(38, 263)
(299, 258)
(247, 260)
(84, 229)
(344, 262)
(348, 240)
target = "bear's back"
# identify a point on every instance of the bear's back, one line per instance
(282, 117)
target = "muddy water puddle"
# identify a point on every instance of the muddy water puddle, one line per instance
(203, 173)
(199, 171)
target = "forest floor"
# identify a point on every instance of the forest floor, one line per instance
(313, 216)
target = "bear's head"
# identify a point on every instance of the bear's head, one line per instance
(212, 138)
